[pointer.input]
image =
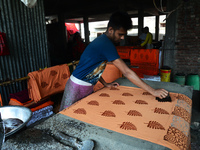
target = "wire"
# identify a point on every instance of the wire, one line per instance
(161, 5)
(166, 12)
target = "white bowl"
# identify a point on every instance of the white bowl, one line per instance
(18, 112)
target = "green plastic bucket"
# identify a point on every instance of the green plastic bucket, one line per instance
(180, 78)
(193, 80)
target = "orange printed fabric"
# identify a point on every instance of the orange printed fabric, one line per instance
(1, 102)
(134, 112)
(43, 83)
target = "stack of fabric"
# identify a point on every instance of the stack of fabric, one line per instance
(41, 114)
(42, 109)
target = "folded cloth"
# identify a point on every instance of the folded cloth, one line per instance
(45, 104)
(40, 114)
(33, 107)
(46, 82)
(21, 96)
(14, 101)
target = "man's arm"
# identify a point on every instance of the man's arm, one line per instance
(133, 77)
(146, 40)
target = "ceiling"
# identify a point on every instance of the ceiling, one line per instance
(97, 10)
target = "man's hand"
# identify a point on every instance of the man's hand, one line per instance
(114, 84)
(161, 93)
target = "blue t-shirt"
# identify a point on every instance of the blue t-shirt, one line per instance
(94, 58)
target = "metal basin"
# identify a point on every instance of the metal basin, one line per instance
(18, 112)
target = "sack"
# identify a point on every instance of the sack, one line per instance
(3, 45)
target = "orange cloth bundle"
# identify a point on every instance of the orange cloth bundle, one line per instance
(43, 83)
(110, 74)
(135, 112)
(33, 107)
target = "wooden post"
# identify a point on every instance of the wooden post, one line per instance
(140, 20)
(157, 28)
(86, 29)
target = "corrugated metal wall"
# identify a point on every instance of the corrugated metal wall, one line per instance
(27, 40)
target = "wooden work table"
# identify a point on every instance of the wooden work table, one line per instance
(37, 138)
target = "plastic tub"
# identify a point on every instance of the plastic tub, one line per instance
(193, 80)
(180, 78)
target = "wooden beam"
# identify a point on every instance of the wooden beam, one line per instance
(86, 29)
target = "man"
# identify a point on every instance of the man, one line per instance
(142, 37)
(93, 61)
(148, 39)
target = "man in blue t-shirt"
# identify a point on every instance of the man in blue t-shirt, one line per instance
(93, 61)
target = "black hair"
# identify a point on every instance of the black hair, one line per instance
(146, 28)
(120, 19)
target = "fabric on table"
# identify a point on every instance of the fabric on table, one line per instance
(134, 112)
(46, 82)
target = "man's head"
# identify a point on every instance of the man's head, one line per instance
(118, 25)
(146, 29)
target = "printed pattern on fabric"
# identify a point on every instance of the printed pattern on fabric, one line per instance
(134, 113)
(155, 125)
(176, 137)
(178, 132)
(128, 126)
(160, 111)
(80, 111)
(108, 113)
(141, 102)
(104, 95)
(184, 98)
(127, 94)
(93, 103)
(181, 112)
(183, 104)
(181, 124)
(118, 102)
(94, 76)
(137, 114)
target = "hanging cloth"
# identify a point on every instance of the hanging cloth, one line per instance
(3, 45)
